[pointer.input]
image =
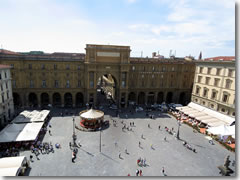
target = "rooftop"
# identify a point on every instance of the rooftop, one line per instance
(221, 58)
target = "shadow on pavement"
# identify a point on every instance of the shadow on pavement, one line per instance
(109, 157)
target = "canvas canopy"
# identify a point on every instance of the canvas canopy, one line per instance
(11, 166)
(217, 123)
(31, 116)
(20, 132)
(92, 114)
(197, 114)
(222, 130)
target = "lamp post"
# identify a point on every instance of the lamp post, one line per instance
(74, 135)
(179, 124)
(100, 140)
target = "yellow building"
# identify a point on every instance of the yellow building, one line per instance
(214, 84)
(70, 79)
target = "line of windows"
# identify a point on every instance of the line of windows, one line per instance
(55, 66)
(56, 84)
(218, 71)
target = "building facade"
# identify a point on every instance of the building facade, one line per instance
(214, 84)
(70, 79)
(6, 98)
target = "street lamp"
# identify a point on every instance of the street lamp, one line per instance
(74, 135)
(100, 139)
(179, 124)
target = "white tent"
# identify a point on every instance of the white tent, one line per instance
(222, 130)
(11, 166)
(31, 116)
(20, 132)
(92, 114)
(197, 114)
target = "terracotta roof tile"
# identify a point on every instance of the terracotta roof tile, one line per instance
(221, 58)
(4, 51)
(3, 66)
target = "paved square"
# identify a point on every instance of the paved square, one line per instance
(171, 154)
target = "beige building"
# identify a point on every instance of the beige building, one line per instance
(71, 79)
(6, 98)
(214, 84)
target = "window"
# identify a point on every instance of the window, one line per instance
(29, 66)
(230, 72)
(197, 90)
(79, 67)
(214, 94)
(67, 74)
(133, 68)
(218, 72)
(173, 69)
(1, 87)
(7, 95)
(162, 76)
(144, 68)
(5, 74)
(30, 74)
(43, 66)
(153, 68)
(163, 69)
(67, 67)
(228, 84)
(196, 100)
(212, 106)
(6, 85)
(91, 79)
(142, 75)
(216, 82)
(233, 114)
(43, 74)
(31, 84)
(12, 65)
(200, 69)
(205, 92)
(68, 84)
(44, 83)
(124, 78)
(13, 83)
(199, 79)
(79, 83)
(225, 98)
(55, 66)
(223, 110)
(203, 102)
(207, 80)
(142, 83)
(56, 84)
(209, 70)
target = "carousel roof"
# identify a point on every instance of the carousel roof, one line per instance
(92, 114)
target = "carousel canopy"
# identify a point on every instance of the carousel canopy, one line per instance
(92, 114)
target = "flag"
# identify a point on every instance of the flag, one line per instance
(200, 55)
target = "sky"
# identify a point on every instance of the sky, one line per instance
(184, 27)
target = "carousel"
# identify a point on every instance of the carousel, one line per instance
(91, 118)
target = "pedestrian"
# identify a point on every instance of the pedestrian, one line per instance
(151, 146)
(49, 131)
(165, 139)
(142, 136)
(139, 144)
(133, 123)
(159, 127)
(119, 155)
(31, 158)
(148, 125)
(137, 172)
(115, 143)
(163, 171)
(140, 172)
(144, 162)
(126, 151)
(73, 157)
(130, 124)
(49, 125)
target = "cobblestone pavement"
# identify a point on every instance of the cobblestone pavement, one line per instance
(176, 159)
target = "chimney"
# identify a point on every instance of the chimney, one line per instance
(154, 54)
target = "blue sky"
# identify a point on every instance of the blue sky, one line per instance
(184, 26)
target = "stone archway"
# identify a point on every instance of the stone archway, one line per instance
(132, 97)
(16, 100)
(141, 98)
(44, 99)
(79, 99)
(32, 100)
(68, 101)
(106, 89)
(160, 98)
(169, 97)
(150, 98)
(182, 98)
(57, 99)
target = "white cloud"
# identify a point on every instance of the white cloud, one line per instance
(131, 1)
